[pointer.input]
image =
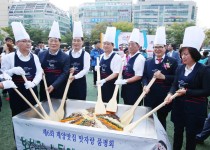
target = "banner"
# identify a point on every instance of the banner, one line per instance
(32, 133)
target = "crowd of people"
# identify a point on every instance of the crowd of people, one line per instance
(180, 72)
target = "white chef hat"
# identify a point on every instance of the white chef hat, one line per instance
(77, 29)
(55, 31)
(193, 37)
(110, 34)
(19, 31)
(135, 36)
(160, 36)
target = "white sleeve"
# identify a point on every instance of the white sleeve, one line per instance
(138, 66)
(85, 68)
(7, 63)
(116, 64)
(38, 76)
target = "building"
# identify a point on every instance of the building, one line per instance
(39, 14)
(4, 13)
(104, 11)
(74, 16)
(153, 13)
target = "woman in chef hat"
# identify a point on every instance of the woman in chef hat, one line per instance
(192, 86)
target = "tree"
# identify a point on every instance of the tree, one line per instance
(207, 39)
(67, 38)
(175, 32)
(101, 28)
(97, 30)
(123, 26)
(8, 30)
(37, 34)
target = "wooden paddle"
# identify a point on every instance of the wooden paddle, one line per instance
(52, 115)
(112, 104)
(131, 126)
(37, 100)
(128, 115)
(23, 97)
(99, 107)
(60, 111)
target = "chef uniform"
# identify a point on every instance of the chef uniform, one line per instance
(110, 64)
(133, 70)
(167, 66)
(55, 66)
(16, 64)
(190, 110)
(80, 61)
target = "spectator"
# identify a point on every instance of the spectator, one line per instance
(205, 132)
(96, 52)
(173, 53)
(39, 48)
(204, 58)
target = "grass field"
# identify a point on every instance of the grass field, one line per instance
(6, 131)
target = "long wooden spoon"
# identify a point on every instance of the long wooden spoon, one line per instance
(99, 107)
(52, 115)
(37, 100)
(60, 111)
(112, 104)
(131, 126)
(23, 97)
(128, 115)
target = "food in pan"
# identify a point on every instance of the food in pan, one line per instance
(88, 118)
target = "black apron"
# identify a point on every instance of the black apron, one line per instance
(131, 91)
(17, 104)
(78, 88)
(107, 89)
(53, 68)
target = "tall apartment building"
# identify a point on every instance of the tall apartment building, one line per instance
(39, 14)
(104, 11)
(153, 13)
(4, 13)
(74, 16)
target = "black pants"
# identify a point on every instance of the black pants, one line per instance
(5, 91)
(162, 115)
(94, 75)
(192, 125)
(0, 103)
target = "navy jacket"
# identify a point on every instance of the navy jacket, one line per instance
(194, 102)
(176, 55)
(160, 88)
(61, 73)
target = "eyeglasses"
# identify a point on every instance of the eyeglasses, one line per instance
(26, 41)
(158, 47)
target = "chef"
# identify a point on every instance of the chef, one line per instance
(55, 64)
(132, 75)
(79, 65)
(110, 65)
(22, 63)
(164, 77)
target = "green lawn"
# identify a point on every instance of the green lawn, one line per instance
(6, 132)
